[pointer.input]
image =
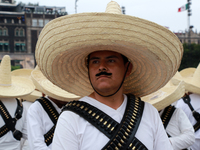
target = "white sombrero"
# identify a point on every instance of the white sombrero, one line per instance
(13, 86)
(166, 95)
(49, 88)
(191, 77)
(65, 42)
(27, 74)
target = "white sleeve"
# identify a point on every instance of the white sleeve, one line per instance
(35, 128)
(186, 137)
(65, 133)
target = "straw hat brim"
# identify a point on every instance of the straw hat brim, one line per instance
(33, 96)
(165, 96)
(22, 72)
(190, 85)
(50, 89)
(65, 42)
(20, 87)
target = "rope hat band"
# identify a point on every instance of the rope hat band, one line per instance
(65, 43)
(49, 88)
(13, 86)
(166, 95)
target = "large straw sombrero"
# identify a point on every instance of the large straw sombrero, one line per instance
(13, 86)
(191, 77)
(49, 88)
(65, 42)
(27, 74)
(166, 95)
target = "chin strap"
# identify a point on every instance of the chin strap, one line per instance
(117, 89)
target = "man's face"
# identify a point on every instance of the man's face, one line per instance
(113, 65)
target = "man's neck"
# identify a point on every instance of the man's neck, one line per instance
(114, 101)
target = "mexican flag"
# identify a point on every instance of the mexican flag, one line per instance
(184, 7)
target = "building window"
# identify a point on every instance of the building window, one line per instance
(4, 47)
(1, 32)
(40, 22)
(16, 32)
(20, 47)
(46, 21)
(34, 22)
(4, 31)
(19, 32)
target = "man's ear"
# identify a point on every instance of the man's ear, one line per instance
(130, 67)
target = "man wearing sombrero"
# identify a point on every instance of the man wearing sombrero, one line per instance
(109, 59)
(12, 113)
(190, 103)
(43, 114)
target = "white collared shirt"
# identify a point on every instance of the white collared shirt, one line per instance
(38, 124)
(180, 129)
(75, 133)
(8, 142)
(195, 102)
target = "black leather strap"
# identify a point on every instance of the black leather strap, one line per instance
(9, 121)
(121, 135)
(53, 115)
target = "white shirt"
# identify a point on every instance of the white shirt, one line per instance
(180, 129)
(8, 142)
(24, 142)
(38, 124)
(75, 133)
(195, 102)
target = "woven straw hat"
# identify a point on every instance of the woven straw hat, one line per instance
(65, 42)
(33, 96)
(27, 74)
(166, 95)
(22, 73)
(191, 77)
(13, 86)
(48, 88)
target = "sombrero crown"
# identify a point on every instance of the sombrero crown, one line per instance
(65, 42)
(13, 86)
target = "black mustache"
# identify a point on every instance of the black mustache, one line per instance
(103, 73)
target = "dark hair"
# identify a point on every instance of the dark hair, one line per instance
(125, 59)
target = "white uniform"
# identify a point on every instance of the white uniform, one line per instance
(180, 129)
(24, 142)
(8, 142)
(75, 133)
(38, 124)
(195, 101)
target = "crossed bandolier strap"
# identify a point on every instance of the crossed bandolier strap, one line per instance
(9, 121)
(122, 136)
(53, 115)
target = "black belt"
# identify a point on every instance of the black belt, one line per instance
(53, 115)
(9, 121)
(122, 136)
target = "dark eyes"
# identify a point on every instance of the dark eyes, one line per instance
(98, 61)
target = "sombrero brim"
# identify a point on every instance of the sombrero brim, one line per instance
(50, 89)
(22, 72)
(65, 42)
(165, 96)
(33, 96)
(186, 75)
(20, 87)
